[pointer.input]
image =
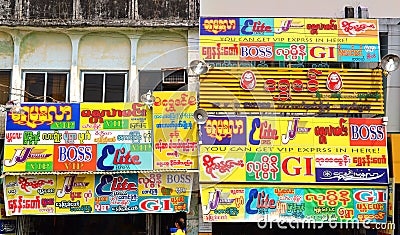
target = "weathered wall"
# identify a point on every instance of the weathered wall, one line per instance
(6, 51)
(104, 51)
(77, 50)
(135, 13)
(162, 50)
(40, 50)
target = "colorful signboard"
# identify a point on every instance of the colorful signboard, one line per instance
(293, 203)
(79, 137)
(97, 194)
(293, 150)
(175, 132)
(8, 224)
(289, 39)
(295, 90)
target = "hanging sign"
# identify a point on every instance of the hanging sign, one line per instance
(289, 39)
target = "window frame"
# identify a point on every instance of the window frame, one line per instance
(46, 72)
(10, 84)
(126, 73)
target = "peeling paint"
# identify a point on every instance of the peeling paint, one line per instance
(46, 50)
(104, 50)
(6, 44)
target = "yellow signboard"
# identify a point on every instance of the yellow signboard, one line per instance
(33, 194)
(293, 203)
(114, 116)
(97, 194)
(268, 149)
(277, 90)
(289, 39)
(175, 131)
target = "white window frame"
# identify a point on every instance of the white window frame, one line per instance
(104, 82)
(45, 83)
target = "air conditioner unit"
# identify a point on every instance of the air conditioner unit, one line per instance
(173, 75)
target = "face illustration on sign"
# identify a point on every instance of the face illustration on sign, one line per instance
(248, 80)
(334, 82)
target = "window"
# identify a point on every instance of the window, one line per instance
(162, 80)
(5, 80)
(104, 87)
(46, 86)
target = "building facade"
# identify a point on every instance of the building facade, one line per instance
(96, 51)
(104, 51)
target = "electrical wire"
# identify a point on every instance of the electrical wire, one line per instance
(28, 94)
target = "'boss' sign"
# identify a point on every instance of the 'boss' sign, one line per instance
(75, 157)
(367, 132)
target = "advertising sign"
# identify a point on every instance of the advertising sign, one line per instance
(175, 132)
(74, 194)
(293, 203)
(33, 194)
(97, 194)
(79, 137)
(293, 150)
(298, 90)
(289, 39)
(8, 224)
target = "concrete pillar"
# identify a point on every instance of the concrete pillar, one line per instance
(193, 54)
(16, 84)
(392, 109)
(74, 80)
(133, 81)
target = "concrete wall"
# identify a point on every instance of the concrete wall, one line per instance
(104, 51)
(86, 49)
(168, 50)
(40, 50)
(6, 51)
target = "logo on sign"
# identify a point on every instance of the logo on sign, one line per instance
(248, 81)
(215, 198)
(73, 153)
(334, 82)
(224, 128)
(153, 205)
(370, 196)
(263, 201)
(219, 25)
(251, 27)
(256, 51)
(122, 156)
(367, 132)
(353, 28)
(21, 155)
(117, 184)
(29, 184)
(218, 163)
(266, 135)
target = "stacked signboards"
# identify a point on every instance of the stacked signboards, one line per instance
(101, 158)
(257, 165)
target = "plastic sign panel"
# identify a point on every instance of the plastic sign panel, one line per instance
(295, 90)
(175, 131)
(289, 39)
(293, 150)
(293, 203)
(79, 137)
(8, 224)
(97, 194)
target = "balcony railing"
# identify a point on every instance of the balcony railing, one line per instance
(98, 12)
